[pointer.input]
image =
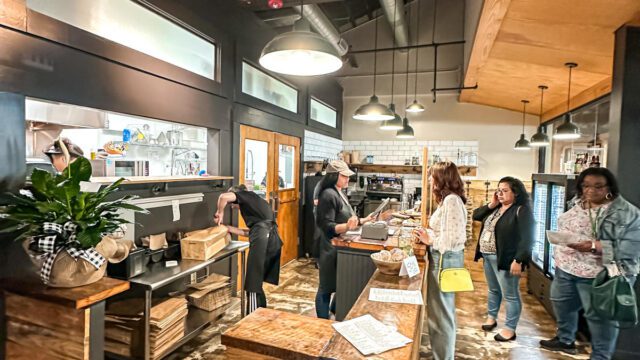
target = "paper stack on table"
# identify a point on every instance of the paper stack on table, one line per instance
(396, 296)
(370, 336)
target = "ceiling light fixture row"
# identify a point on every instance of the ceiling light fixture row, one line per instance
(415, 106)
(568, 130)
(396, 122)
(523, 144)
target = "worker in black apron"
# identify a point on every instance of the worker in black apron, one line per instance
(263, 263)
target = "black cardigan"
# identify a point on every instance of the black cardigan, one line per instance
(514, 234)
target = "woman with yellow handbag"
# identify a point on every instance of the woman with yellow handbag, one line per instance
(504, 245)
(446, 238)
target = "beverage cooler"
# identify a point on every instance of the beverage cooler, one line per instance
(552, 194)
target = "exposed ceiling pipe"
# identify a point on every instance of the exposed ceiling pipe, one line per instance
(323, 26)
(401, 31)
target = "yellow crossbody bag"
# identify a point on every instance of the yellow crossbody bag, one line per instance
(454, 279)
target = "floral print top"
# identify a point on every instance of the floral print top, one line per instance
(449, 224)
(488, 244)
(581, 264)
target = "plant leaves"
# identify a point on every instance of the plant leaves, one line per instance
(78, 170)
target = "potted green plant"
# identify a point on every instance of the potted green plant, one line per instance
(66, 230)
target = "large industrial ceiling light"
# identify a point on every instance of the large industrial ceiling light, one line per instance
(568, 130)
(300, 52)
(523, 143)
(374, 110)
(540, 139)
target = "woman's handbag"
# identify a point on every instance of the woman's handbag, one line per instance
(454, 279)
(613, 298)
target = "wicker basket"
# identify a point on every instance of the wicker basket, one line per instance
(212, 300)
(388, 267)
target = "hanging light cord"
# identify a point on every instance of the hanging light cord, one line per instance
(415, 91)
(375, 55)
(524, 112)
(541, 102)
(406, 88)
(595, 135)
(569, 91)
(435, 51)
(393, 52)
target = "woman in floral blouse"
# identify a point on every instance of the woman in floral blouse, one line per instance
(600, 217)
(448, 224)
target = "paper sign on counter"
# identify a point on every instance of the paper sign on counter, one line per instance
(370, 336)
(175, 207)
(410, 267)
(396, 296)
(561, 238)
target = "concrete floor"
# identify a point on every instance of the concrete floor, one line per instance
(296, 293)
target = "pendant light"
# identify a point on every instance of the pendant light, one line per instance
(300, 52)
(568, 130)
(523, 143)
(396, 122)
(407, 131)
(540, 139)
(415, 106)
(374, 110)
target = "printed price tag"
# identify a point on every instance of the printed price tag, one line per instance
(410, 267)
(175, 206)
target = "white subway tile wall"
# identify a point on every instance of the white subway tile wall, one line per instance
(318, 147)
(398, 152)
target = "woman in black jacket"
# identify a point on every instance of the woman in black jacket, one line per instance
(505, 244)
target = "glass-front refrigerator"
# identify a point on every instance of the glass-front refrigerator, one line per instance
(551, 197)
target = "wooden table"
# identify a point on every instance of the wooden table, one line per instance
(54, 323)
(272, 334)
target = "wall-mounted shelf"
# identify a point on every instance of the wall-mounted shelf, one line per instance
(392, 169)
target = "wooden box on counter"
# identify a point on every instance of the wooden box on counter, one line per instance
(204, 244)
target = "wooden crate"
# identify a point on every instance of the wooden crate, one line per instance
(204, 244)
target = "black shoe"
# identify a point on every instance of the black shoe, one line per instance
(486, 327)
(556, 345)
(501, 338)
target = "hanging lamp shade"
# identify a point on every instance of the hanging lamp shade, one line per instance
(539, 139)
(415, 107)
(522, 144)
(393, 124)
(568, 130)
(373, 111)
(406, 132)
(300, 52)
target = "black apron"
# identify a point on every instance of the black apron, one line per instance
(263, 263)
(328, 261)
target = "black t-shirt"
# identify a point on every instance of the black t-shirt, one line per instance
(253, 208)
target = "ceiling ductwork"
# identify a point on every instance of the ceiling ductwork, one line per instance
(323, 26)
(401, 31)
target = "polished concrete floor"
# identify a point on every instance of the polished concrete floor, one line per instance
(296, 292)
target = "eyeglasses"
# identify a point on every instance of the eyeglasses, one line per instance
(597, 187)
(505, 191)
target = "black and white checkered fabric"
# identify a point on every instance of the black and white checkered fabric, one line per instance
(62, 237)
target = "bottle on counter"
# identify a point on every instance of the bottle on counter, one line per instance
(126, 135)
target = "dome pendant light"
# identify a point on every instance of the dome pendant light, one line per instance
(300, 52)
(540, 139)
(396, 122)
(374, 110)
(407, 131)
(523, 143)
(415, 106)
(568, 130)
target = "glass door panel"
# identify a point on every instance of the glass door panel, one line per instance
(540, 215)
(256, 174)
(286, 166)
(557, 208)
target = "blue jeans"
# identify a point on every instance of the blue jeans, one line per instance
(324, 304)
(502, 283)
(571, 293)
(441, 307)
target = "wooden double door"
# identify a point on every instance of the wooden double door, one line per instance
(270, 166)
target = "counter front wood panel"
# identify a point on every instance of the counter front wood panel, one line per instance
(280, 334)
(406, 318)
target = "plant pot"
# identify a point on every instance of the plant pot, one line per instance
(68, 272)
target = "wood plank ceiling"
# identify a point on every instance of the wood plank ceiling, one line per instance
(521, 44)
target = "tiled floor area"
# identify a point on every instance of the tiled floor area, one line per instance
(296, 293)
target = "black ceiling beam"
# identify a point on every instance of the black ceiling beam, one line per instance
(400, 48)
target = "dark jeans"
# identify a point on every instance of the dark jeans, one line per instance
(324, 304)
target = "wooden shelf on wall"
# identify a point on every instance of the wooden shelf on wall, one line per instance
(391, 169)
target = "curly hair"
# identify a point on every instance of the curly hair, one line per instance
(446, 180)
